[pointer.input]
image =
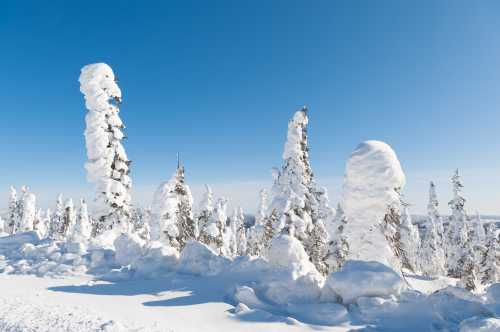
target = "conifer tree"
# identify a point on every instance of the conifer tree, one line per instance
(434, 215)
(295, 196)
(213, 232)
(457, 232)
(432, 257)
(57, 220)
(338, 245)
(205, 211)
(69, 219)
(83, 227)
(241, 235)
(319, 247)
(14, 214)
(489, 264)
(139, 221)
(468, 273)
(108, 164)
(256, 232)
(410, 238)
(2, 226)
(391, 230)
(28, 211)
(172, 216)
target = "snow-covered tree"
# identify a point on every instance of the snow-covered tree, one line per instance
(57, 220)
(489, 264)
(371, 202)
(256, 232)
(468, 274)
(457, 233)
(319, 247)
(477, 234)
(172, 217)
(241, 233)
(295, 197)
(338, 246)
(107, 165)
(28, 211)
(213, 231)
(269, 230)
(391, 230)
(231, 235)
(433, 214)
(410, 238)
(205, 211)
(14, 213)
(69, 219)
(432, 254)
(83, 227)
(2, 226)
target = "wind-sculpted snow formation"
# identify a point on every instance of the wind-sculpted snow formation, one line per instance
(372, 181)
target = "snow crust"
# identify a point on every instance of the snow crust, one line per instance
(373, 174)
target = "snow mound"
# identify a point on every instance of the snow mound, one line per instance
(199, 259)
(157, 260)
(480, 324)
(493, 293)
(128, 249)
(373, 172)
(286, 252)
(364, 279)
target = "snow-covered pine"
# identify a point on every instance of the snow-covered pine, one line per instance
(410, 238)
(457, 232)
(477, 234)
(38, 224)
(338, 247)
(256, 232)
(432, 253)
(241, 233)
(83, 227)
(14, 212)
(107, 165)
(205, 211)
(294, 192)
(231, 236)
(213, 232)
(57, 220)
(489, 265)
(69, 219)
(434, 215)
(171, 212)
(269, 230)
(468, 273)
(3, 224)
(46, 221)
(391, 230)
(319, 247)
(28, 211)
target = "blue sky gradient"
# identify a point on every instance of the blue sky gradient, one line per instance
(217, 81)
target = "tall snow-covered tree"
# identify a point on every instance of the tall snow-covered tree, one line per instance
(434, 215)
(457, 233)
(295, 197)
(69, 219)
(410, 238)
(241, 234)
(391, 230)
(205, 211)
(172, 216)
(468, 273)
(83, 227)
(489, 264)
(338, 244)
(57, 220)
(15, 213)
(231, 236)
(432, 254)
(107, 165)
(256, 232)
(28, 211)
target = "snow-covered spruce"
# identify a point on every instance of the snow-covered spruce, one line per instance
(83, 227)
(28, 218)
(371, 192)
(172, 221)
(338, 247)
(107, 165)
(256, 232)
(410, 238)
(295, 199)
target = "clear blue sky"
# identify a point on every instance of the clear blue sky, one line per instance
(217, 81)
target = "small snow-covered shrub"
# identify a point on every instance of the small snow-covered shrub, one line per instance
(364, 279)
(199, 259)
(286, 252)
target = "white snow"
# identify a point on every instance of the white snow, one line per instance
(364, 279)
